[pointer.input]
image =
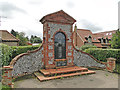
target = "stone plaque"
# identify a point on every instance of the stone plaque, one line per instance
(61, 63)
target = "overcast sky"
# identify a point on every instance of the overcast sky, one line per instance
(24, 15)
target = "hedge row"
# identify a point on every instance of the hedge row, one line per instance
(16, 50)
(7, 53)
(87, 46)
(102, 54)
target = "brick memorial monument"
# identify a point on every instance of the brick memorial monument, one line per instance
(57, 56)
(57, 39)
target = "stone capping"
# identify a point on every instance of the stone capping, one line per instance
(7, 68)
(90, 56)
(111, 59)
(14, 60)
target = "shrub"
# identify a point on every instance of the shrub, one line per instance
(115, 42)
(16, 50)
(86, 47)
(102, 54)
(7, 53)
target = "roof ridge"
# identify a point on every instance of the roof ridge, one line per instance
(3, 30)
(84, 29)
(104, 32)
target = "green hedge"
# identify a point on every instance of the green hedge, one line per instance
(102, 54)
(16, 50)
(87, 46)
(7, 53)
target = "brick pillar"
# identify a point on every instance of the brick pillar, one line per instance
(111, 64)
(7, 76)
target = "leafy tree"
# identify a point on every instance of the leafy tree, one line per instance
(23, 40)
(115, 42)
(27, 38)
(14, 32)
(35, 39)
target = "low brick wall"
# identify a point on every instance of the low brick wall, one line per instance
(27, 63)
(86, 60)
(111, 64)
(7, 76)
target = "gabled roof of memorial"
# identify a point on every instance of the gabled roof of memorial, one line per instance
(59, 16)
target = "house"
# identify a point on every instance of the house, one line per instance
(86, 37)
(8, 38)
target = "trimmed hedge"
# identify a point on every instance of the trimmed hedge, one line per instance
(16, 50)
(7, 53)
(87, 46)
(102, 54)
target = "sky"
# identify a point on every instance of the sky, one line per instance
(24, 15)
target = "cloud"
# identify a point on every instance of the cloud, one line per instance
(35, 2)
(89, 25)
(8, 9)
(70, 4)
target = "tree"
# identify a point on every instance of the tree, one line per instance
(115, 42)
(35, 39)
(14, 32)
(23, 40)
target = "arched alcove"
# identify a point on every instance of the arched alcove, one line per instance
(60, 46)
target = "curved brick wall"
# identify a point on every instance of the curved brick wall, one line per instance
(33, 61)
(27, 62)
(86, 60)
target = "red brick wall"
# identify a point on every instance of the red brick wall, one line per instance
(79, 41)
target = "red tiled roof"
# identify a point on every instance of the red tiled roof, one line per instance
(6, 36)
(98, 45)
(85, 33)
(107, 34)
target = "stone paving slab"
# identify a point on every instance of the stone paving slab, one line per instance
(102, 79)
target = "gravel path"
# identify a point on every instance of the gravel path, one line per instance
(102, 79)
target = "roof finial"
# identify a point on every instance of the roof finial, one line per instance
(75, 28)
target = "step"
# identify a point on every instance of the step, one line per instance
(62, 70)
(43, 78)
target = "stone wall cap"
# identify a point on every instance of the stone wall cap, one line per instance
(111, 59)
(7, 67)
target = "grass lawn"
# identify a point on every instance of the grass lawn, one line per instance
(4, 87)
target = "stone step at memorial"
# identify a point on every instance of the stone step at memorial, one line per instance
(59, 71)
(41, 77)
(49, 74)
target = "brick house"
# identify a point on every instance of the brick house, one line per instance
(83, 36)
(8, 38)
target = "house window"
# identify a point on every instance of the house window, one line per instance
(89, 39)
